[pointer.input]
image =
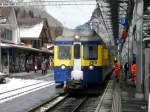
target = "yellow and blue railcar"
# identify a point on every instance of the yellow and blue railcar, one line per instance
(80, 60)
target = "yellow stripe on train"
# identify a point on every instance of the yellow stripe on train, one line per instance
(58, 62)
(69, 62)
(97, 62)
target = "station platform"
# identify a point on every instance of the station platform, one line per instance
(124, 98)
(128, 101)
(30, 75)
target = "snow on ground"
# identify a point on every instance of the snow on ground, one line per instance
(21, 87)
(17, 83)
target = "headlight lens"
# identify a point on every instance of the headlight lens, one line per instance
(91, 67)
(63, 67)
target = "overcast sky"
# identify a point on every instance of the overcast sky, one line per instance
(71, 15)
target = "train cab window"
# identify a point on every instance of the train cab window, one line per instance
(90, 52)
(64, 52)
(77, 51)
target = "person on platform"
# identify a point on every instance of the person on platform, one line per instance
(43, 67)
(35, 66)
(133, 72)
(47, 65)
(126, 69)
(117, 70)
(27, 66)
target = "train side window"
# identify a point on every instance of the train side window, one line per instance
(77, 51)
(64, 52)
(90, 52)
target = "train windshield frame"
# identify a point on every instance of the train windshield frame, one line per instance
(90, 52)
(64, 52)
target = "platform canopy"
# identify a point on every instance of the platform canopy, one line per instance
(109, 13)
(106, 17)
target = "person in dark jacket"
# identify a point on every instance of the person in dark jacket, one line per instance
(27, 66)
(47, 65)
(43, 67)
(126, 69)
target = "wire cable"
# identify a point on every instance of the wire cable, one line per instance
(48, 3)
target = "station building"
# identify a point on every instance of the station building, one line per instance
(24, 37)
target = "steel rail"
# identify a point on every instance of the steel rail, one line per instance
(102, 98)
(42, 106)
(82, 102)
(66, 107)
(56, 103)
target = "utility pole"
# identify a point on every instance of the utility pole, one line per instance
(138, 36)
(0, 52)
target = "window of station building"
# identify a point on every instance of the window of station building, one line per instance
(64, 52)
(77, 51)
(6, 34)
(90, 52)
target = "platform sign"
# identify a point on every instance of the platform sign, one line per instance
(123, 21)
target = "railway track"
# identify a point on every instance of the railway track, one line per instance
(49, 103)
(11, 94)
(105, 103)
(68, 103)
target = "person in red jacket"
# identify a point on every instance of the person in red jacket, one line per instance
(117, 70)
(133, 72)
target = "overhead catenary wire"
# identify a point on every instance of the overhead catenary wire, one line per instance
(48, 3)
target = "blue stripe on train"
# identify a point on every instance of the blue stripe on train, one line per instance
(94, 76)
(62, 75)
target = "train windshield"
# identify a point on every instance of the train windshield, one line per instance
(64, 52)
(90, 52)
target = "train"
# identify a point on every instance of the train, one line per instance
(81, 60)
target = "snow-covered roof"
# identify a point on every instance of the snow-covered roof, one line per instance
(31, 31)
(28, 21)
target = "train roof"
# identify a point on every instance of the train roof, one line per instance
(89, 39)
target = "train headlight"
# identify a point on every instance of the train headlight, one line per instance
(63, 67)
(91, 67)
(77, 37)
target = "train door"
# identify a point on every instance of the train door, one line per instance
(77, 56)
(77, 73)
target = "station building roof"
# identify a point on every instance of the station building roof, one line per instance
(31, 31)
